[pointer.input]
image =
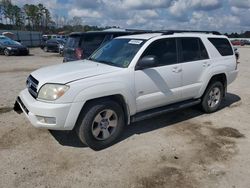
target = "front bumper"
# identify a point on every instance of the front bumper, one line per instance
(19, 52)
(65, 115)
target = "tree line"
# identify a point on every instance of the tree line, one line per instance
(28, 17)
(38, 18)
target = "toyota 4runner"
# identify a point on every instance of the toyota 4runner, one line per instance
(129, 79)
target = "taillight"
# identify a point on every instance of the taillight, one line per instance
(79, 53)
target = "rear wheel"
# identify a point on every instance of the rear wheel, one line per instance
(6, 52)
(213, 96)
(100, 124)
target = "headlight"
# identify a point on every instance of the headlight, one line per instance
(11, 48)
(52, 92)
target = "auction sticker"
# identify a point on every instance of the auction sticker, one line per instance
(135, 42)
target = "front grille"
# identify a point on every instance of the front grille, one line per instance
(32, 84)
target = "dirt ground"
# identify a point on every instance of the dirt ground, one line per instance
(182, 149)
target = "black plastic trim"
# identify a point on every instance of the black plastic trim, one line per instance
(165, 109)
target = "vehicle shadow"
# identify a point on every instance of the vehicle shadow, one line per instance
(173, 118)
(69, 138)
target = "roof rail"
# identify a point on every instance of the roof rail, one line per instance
(171, 32)
(138, 30)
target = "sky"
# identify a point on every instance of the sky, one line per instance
(221, 15)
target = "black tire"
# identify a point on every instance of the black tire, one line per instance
(6, 52)
(45, 49)
(206, 104)
(86, 121)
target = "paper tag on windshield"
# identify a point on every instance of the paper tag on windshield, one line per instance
(135, 42)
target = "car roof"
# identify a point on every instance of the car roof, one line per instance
(97, 32)
(107, 32)
(147, 36)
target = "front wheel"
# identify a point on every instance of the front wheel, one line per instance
(45, 49)
(212, 98)
(6, 52)
(100, 124)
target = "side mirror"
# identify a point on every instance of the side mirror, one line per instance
(147, 62)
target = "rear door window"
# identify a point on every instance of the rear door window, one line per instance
(191, 49)
(222, 45)
(203, 50)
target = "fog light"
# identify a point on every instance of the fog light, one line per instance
(47, 120)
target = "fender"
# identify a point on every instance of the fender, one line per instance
(220, 69)
(108, 89)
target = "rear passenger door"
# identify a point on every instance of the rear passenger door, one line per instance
(195, 60)
(160, 85)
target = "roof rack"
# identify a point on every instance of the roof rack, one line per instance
(138, 30)
(171, 32)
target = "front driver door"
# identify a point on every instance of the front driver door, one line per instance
(159, 85)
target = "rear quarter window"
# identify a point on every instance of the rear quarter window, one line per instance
(222, 45)
(92, 41)
(73, 42)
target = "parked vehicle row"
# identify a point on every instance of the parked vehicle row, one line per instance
(10, 47)
(82, 45)
(129, 79)
(241, 42)
(53, 45)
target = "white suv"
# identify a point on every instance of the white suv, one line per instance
(131, 78)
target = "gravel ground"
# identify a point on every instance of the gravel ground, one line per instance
(182, 149)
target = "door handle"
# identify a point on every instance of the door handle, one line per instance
(206, 64)
(176, 69)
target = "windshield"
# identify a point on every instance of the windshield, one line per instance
(8, 42)
(118, 52)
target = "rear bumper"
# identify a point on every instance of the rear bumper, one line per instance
(64, 115)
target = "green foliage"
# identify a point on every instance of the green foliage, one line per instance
(38, 18)
(30, 16)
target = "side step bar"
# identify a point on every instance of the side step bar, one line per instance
(162, 110)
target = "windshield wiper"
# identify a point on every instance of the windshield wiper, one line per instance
(91, 59)
(106, 62)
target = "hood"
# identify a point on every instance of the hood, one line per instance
(13, 44)
(19, 46)
(72, 71)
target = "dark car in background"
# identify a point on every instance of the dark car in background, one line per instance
(10, 47)
(53, 45)
(82, 45)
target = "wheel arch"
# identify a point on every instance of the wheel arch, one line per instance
(217, 77)
(116, 98)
